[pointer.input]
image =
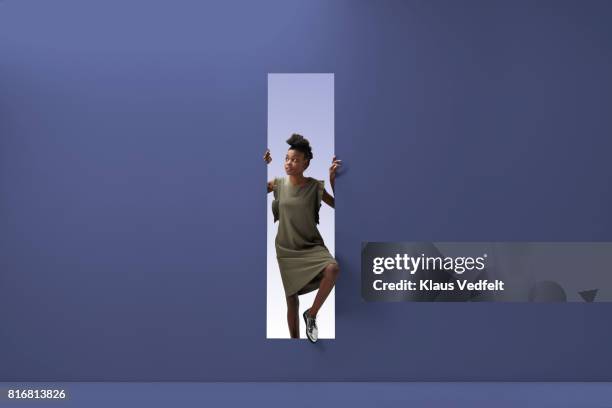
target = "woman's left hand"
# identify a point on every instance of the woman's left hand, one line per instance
(332, 170)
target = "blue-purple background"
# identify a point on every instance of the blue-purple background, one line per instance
(132, 200)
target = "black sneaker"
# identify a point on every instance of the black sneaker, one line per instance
(311, 327)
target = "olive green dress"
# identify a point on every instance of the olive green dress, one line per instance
(300, 250)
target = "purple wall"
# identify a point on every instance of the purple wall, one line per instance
(133, 238)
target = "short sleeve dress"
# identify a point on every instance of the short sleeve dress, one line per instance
(301, 253)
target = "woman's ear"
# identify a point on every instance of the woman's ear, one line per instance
(307, 164)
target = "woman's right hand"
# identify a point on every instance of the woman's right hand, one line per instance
(267, 157)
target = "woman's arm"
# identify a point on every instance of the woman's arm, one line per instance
(268, 158)
(328, 199)
(332, 172)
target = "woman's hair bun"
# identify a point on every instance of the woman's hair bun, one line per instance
(301, 144)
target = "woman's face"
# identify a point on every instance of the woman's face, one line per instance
(295, 163)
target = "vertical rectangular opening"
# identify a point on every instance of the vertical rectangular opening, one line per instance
(302, 104)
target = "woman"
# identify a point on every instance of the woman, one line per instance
(305, 263)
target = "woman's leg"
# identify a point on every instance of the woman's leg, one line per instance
(293, 311)
(330, 274)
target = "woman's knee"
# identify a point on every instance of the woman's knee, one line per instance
(333, 270)
(293, 301)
